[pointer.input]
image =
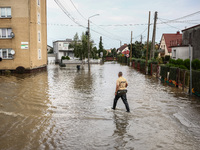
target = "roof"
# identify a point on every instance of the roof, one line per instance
(49, 46)
(123, 47)
(171, 37)
(67, 40)
(191, 27)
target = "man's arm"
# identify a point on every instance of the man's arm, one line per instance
(117, 88)
(126, 84)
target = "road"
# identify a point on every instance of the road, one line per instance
(68, 109)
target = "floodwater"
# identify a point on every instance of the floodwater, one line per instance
(66, 109)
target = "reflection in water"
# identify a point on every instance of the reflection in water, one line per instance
(120, 133)
(68, 109)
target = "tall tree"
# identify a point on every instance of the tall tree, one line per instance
(100, 46)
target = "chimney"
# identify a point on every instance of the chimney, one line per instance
(178, 32)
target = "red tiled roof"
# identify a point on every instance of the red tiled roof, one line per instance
(122, 47)
(171, 37)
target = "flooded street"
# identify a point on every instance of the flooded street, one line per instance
(66, 109)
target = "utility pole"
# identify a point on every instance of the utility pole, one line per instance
(154, 36)
(88, 44)
(146, 64)
(141, 39)
(120, 43)
(89, 40)
(131, 47)
(190, 51)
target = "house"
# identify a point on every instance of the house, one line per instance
(192, 36)
(123, 49)
(108, 51)
(49, 49)
(181, 52)
(165, 43)
(23, 34)
(61, 48)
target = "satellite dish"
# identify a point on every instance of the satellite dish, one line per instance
(12, 52)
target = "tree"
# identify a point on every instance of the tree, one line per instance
(51, 51)
(136, 49)
(145, 49)
(114, 52)
(100, 46)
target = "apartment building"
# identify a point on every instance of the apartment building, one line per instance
(23, 34)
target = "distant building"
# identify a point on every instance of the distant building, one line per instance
(123, 49)
(49, 48)
(192, 36)
(61, 48)
(108, 51)
(166, 42)
(23, 34)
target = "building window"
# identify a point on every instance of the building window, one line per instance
(39, 54)
(39, 36)
(5, 33)
(174, 54)
(5, 12)
(38, 18)
(6, 53)
(65, 45)
(38, 2)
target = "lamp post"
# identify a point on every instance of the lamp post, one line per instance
(89, 39)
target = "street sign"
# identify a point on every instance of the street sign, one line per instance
(127, 55)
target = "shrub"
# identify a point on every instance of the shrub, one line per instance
(153, 61)
(182, 67)
(163, 59)
(160, 60)
(63, 57)
(196, 64)
(179, 61)
(167, 57)
(67, 57)
(186, 63)
(172, 61)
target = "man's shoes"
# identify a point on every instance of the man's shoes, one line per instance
(128, 111)
(113, 108)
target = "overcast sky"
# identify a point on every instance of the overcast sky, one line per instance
(118, 18)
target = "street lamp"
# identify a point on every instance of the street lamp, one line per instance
(89, 39)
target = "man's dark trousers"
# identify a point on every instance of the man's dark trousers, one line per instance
(124, 99)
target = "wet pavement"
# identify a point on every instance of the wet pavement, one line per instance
(66, 109)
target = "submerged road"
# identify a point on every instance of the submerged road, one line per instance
(66, 109)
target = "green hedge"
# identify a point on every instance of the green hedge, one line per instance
(121, 59)
(142, 65)
(173, 73)
(163, 71)
(196, 81)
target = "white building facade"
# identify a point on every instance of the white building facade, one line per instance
(61, 48)
(181, 52)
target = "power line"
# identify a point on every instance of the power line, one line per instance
(78, 10)
(195, 13)
(91, 21)
(168, 24)
(74, 20)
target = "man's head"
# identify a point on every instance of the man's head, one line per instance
(120, 74)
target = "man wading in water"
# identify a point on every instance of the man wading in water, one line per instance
(121, 92)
